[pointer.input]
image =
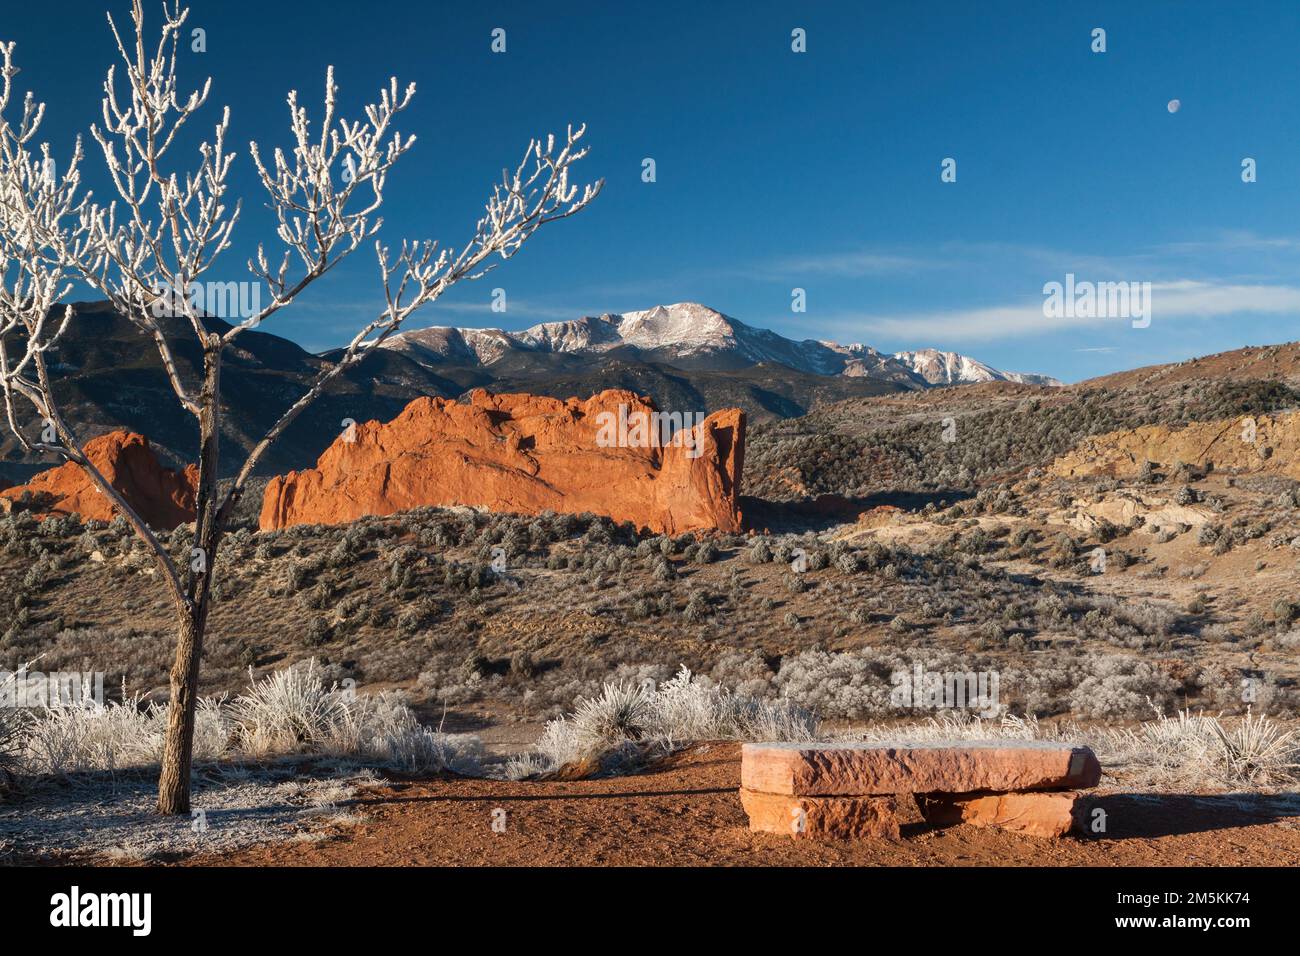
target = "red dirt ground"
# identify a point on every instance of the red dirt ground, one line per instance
(686, 812)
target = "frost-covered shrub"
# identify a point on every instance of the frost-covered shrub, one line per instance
(381, 729)
(680, 710)
(290, 711)
(697, 608)
(620, 712)
(850, 562)
(842, 685)
(13, 722)
(286, 711)
(113, 736)
(1122, 687)
(706, 553)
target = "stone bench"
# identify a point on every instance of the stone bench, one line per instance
(851, 790)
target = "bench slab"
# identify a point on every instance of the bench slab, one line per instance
(861, 769)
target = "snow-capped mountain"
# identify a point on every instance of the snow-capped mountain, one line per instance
(949, 368)
(693, 336)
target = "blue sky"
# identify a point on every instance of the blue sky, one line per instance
(778, 170)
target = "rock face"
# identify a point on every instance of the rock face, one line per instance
(1263, 443)
(162, 497)
(862, 769)
(840, 818)
(1052, 814)
(525, 453)
(1124, 505)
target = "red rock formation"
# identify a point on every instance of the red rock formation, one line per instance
(522, 453)
(162, 497)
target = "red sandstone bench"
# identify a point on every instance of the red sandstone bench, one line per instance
(851, 790)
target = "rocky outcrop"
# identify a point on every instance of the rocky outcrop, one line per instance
(162, 497)
(1262, 443)
(1127, 508)
(525, 453)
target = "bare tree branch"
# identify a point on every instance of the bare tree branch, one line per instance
(517, 208)
(147, 249)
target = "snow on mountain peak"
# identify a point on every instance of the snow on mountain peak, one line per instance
(685, 326)
(950, 368)
(689, 331)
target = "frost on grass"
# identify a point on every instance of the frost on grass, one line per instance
(627, 720)
(85, 776)
(115, 736)
(1204, 752)
(1193, 752)
(112, 817)
(12, 724)
(289, 712)
(293, 711)
(1188, 752)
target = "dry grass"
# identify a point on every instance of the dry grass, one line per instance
(646, 719)
(291, 711)
(1187, 752)
(12, 726)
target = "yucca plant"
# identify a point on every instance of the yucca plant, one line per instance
(1255, 751)
(621, 712)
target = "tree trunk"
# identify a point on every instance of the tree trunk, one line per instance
(192, 607)
(178, 752)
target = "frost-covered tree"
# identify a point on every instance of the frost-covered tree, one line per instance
(166, 229)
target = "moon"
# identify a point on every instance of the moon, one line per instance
(1174, 105)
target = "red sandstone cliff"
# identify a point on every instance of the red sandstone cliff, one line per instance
(520, 453)
(164, 498)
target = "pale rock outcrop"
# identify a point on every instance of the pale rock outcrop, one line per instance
(1268, 444)
(1126, 506)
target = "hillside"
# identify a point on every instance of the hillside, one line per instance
(1279, 363)
(961, 437)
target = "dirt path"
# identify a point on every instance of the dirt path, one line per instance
(687, 813)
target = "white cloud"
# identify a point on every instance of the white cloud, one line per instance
(1207, 300)
(1169, 301)
(843, 265)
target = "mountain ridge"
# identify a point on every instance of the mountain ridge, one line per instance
(952, 368)
(693, 336)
